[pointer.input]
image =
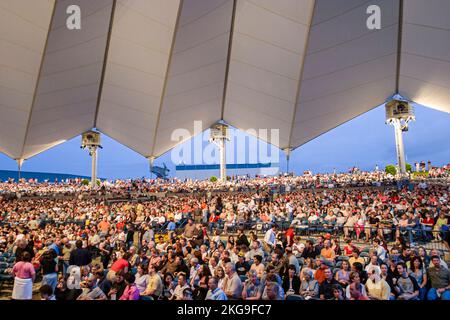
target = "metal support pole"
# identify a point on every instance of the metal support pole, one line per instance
(399, 146)
(223, 160)
(151, 160)
(93, 153)
(19, 166)
(287, 152)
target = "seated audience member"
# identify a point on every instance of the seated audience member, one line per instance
(326, 287)
(214, 292)
(181, 286)
(343, 274)
(291, 282)
(253, 287)
(377, 288)
(46, 292)
(418, 272)
(355, 290)
(358, 267)
(439, 278)
(309, 287)
(356, 258)
(406, 286)
(131, 291)
(91, 291)
(272, 291)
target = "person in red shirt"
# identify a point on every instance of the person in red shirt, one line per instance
(427, 226)
(349, 248)
(121, 264)
(290, 234)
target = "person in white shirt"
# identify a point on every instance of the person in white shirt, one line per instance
(380, 250)
(373, 265)
(270, 237)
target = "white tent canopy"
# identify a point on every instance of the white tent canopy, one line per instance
(139, 69)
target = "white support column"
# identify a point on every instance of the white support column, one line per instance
(151, 161)
(93, 154)
(399, 146)
(219, 136)
(19, 167)
(399, 112)
(287, 152)
(91, 141)
(223, 159)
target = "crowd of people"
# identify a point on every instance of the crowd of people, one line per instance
(323, 242)
(34, 188)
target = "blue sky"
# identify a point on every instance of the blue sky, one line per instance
(363, 141)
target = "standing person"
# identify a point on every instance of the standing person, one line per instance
(120, 265)
(290, 235)
(24, 276)
(80, 256)
(241, 238)
(270, 238)
(440, 280)
(105, 252)
(49, 269)
(66, 250)
(171, 229)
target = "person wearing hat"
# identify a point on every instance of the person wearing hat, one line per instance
(242, 266)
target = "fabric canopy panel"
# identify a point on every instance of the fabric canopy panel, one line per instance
(66, 96)
(138, 70)
(140, 47)
(269, 43)
(196, 78)
(24, 27)
(425, 56)
(348, 70)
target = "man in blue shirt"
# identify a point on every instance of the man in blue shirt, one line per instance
(215, 293)
(56, 246)
(171, 229)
